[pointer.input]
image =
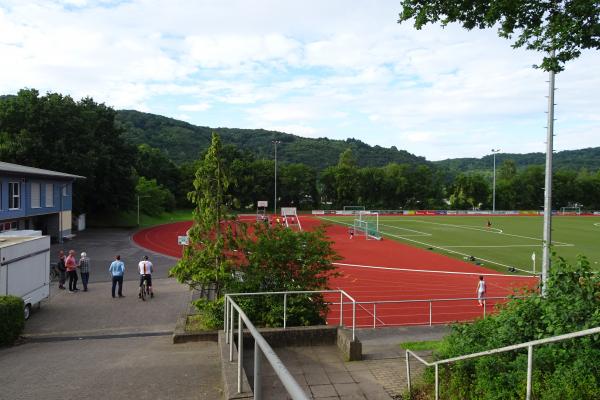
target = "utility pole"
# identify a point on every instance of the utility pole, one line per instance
(275, 142)
(547, 240)
(494, 151)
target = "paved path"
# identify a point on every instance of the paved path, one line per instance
(89, 345)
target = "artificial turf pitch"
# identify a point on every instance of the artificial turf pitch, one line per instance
(509, 242)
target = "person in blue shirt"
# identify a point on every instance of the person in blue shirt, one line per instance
(117, 270)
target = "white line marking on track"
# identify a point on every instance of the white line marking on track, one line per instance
(508, 245)
(433, 271)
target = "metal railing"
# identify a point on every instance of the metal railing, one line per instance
(262, 347)
(375, 303)
(529, 345)
(341, 292)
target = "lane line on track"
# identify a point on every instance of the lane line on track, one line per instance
(428, 271)
(506, 245)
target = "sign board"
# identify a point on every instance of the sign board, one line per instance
(263, 203)
(183, 240)
(288, 211)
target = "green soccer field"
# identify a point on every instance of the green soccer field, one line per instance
(509, 242)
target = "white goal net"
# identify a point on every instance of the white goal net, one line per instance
(570, 211)
(367, 224)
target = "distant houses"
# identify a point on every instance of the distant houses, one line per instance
(36, 199)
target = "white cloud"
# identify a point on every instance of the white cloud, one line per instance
(307, 68)
(194, 107)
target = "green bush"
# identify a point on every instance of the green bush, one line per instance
(564, 370)
(12, 319)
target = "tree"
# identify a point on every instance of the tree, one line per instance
(57, 133)
(298, 185)
(567, 26)
(281, 259)
(204, 262)
(153, 163)
(154, 198)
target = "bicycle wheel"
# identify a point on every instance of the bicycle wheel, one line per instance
(143, 291)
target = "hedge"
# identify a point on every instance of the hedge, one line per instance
(12, 319)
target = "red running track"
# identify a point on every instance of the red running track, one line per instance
(384, 270)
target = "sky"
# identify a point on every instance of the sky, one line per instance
(313, 68)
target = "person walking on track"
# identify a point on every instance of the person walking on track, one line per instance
(481, 291)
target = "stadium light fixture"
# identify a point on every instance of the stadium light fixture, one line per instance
(494, 151)
(275, 142)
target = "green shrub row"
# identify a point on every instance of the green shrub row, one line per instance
(564, 370)
(12, 319)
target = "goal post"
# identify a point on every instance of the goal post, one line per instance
(367, 224)
(570, 211)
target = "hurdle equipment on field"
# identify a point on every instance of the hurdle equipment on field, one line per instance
(290, 217)
(261, 210)
(367, 224)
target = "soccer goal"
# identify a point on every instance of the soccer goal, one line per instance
(367, 224)
(290, 217)
(570, 211)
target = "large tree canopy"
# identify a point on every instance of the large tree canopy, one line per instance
(79, 137)
(567, 27)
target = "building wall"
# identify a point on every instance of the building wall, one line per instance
(46, 215)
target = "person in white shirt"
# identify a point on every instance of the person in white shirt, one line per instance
(481, 290)
(145, 269)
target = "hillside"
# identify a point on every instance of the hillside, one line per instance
(572, 159)
(184, 142)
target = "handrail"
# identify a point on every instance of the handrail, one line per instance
(342, 293)
(529, 345)
(261, 346)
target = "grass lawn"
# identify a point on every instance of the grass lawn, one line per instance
(129, 219)
(433, 345)
(510, 242)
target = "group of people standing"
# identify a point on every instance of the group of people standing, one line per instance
(67, 268)
(68, 265)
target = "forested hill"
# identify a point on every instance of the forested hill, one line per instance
(571, 159)
(184, 142)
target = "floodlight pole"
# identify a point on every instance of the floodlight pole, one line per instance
(547, 239)
(275, 142)
(494, 151)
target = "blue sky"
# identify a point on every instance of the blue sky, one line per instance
(334, 69)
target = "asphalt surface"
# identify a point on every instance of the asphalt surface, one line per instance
(89, 345)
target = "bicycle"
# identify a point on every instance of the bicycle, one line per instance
(54, 272)
(144, 289)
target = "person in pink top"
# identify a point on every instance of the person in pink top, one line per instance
(71, 266)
